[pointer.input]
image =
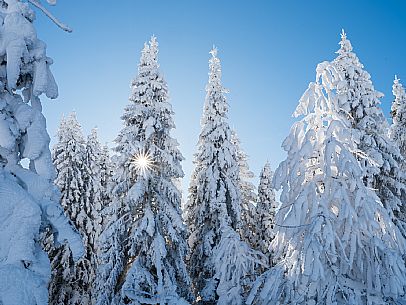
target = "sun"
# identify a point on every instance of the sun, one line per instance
(142, 162)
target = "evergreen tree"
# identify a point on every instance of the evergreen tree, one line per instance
(398, 113)
(214, 205)
(144, 246)
(29, 202)
(71, 283)
(335, 242)
(265, 210)
(106, 173)
(358, 103)
(95, 190)
(95, 180)
(397, 133)
(247, 189)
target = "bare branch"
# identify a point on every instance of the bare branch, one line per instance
(38, 5)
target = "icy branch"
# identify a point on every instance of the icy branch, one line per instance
(38, 5)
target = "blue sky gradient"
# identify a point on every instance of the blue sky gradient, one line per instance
(269, 52)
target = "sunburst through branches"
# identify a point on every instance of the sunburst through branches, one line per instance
(142, 162)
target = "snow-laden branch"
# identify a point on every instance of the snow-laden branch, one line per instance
(38, 5)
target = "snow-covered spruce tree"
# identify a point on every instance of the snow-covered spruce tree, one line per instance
(96, 165)
(397, 134)
(265, 210)
(105, 176)
(359, 104)
(107, 212)
(335, 242)
(71, 283)
(398, 113)
(96, 175)
(144, 246)
(219, 262)
(247, 190)
(29, 202)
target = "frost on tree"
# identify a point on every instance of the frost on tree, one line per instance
(265, 210)
(106, 213)
(106, 173)
(213, 208)
(335, 242)
(72, 156)
(358, 103)
(94, 183)
(144, 246)
(398, 113)
(29, 202)
(96, 170)
(247, 190)
(398, 135)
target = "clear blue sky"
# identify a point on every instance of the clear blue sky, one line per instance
(269, 51)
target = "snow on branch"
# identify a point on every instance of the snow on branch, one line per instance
(38, 5)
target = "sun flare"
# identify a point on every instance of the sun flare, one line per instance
(142, 162)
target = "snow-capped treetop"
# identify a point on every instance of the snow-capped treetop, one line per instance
(265, 191)
(149, 57)
(398, 104)
(345, 44)
(398, 113)
(357, 95)
(69, 159)
(70, 129)
(215, 104)
(215, 69)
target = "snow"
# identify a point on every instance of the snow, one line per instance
(143, 248)
(335, 241)
(213, 210)
(29, 202)
(265, 211)
(77, 227)
(78, 164)
(380, 157)
(247, 190)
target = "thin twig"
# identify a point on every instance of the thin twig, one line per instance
(38, 5)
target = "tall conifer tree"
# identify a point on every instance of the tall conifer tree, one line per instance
(335, 242)
(71, 283)
(358, 103)
(220, 263)
(144, 246)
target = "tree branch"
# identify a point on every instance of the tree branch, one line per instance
(38, 5)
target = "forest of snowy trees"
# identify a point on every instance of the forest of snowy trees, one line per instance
(83, 224)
